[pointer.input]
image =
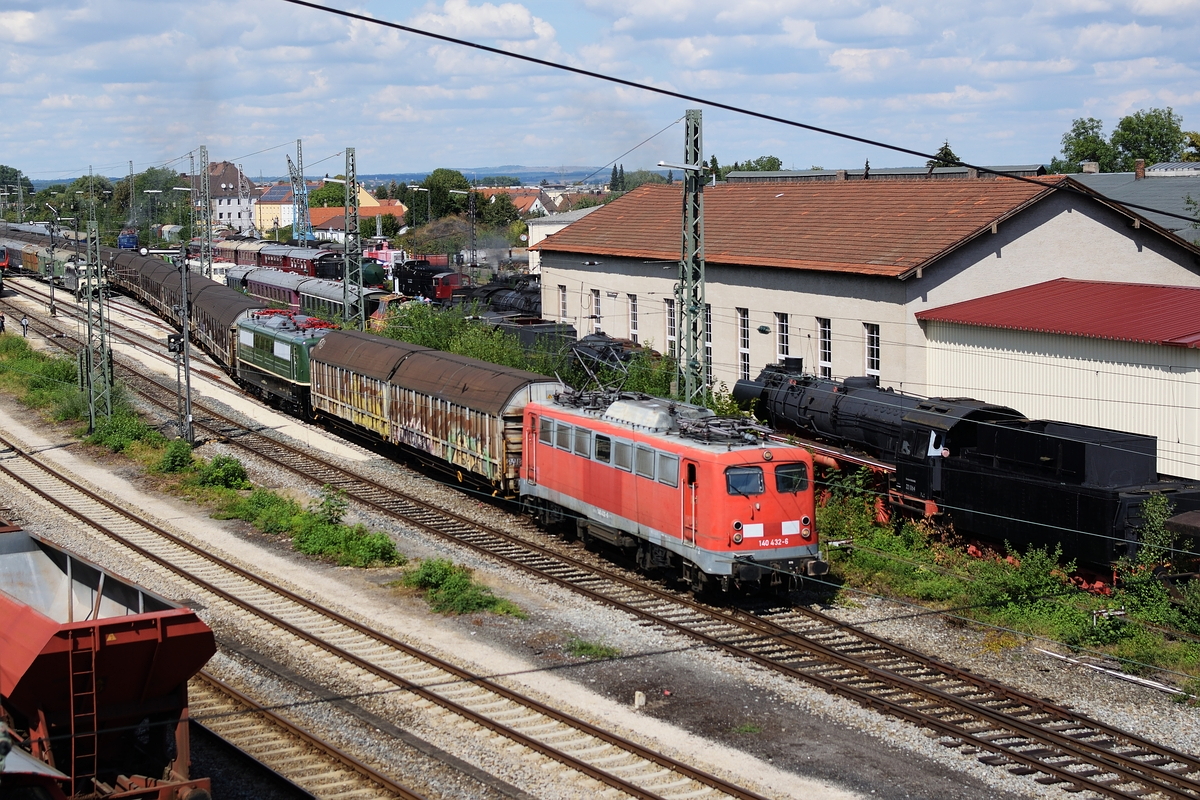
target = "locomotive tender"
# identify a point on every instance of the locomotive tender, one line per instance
(991, 471)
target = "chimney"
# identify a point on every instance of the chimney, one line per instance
(1139, 169)
(841, 175)
(1091, 167)
(972, 173)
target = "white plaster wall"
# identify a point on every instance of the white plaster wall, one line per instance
(848, 301)
(1144, 388)
(1062, 236)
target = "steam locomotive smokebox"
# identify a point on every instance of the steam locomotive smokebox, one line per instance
(88, 657)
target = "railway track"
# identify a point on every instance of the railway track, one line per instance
(998, 725)
(309, 762)
(353, 651)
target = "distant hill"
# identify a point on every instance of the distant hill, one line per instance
(528, 175)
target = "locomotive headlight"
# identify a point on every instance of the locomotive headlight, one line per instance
(737, 538)
(737, 525)
(805, 520)
(806, 533)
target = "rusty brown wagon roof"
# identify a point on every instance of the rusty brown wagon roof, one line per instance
(466, 381)
(223, 305)
(367, 354)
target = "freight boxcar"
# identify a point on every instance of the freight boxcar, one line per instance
(456, 413)
(94, 672)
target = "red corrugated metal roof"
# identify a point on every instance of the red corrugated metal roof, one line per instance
(1132, 312)
(878, 228)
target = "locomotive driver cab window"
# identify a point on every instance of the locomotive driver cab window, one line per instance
(791, 478)
(746, 481)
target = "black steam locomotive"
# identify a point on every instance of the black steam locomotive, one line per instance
(988, 469)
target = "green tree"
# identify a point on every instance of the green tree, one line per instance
(1191, 146)
(1085, 142)
(763, 164)
(439, 183)
(624, 187)
(11, 180)
(670, 176)
(760, 164)
(612, 181)
(331, 195)
(387, 223)
(1155, 135)
(944, 157)
(639, 177)
(498, 210)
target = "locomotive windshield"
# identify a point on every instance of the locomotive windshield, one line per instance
(744, 480)
(791, 478)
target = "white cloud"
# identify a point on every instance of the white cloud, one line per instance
(1108, 39)
(21, 26)
(957, 98)
(1000, 70)
(1141, 70)
(1165, 8)
(1062, 8)
(801, 33)
(859, 64)
(688, 53)
(505, 21)
(885, 21)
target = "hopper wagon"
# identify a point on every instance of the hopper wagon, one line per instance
(94, 673)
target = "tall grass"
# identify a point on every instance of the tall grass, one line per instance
(1028, 592)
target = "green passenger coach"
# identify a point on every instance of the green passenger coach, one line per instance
(273, 356)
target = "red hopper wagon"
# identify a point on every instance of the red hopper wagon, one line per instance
(94, 672)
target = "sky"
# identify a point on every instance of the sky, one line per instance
(101, 82)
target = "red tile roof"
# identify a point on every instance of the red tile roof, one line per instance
(878, 228)
(1132, 312)
(322, 214)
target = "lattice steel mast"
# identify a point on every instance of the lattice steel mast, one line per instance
(204, 204)
(301, 222)
(689, 292)
(352, 288)
(95, 362)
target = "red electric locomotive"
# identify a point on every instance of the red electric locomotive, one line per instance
(680, 488)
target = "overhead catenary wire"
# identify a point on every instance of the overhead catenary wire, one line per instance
(704, 101)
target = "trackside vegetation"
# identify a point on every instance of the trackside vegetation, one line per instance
(454, 331)
(312, 530)
(1013, 594)
(50, 383)
(451, 589)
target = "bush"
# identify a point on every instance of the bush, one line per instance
(177, 457)
(312, 534)
(121, 430)
(265, 510)
(348, 546)
(332, 505)
(449, 589)
(224, 472)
